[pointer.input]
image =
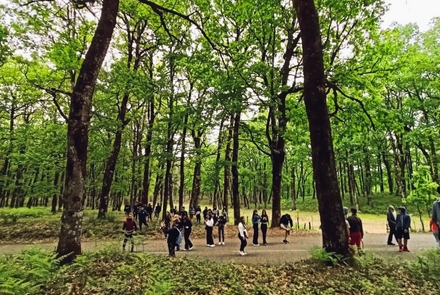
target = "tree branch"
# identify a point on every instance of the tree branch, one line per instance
(249, 131)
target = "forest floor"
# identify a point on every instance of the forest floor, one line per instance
(299, 247)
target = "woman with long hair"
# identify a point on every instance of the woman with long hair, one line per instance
(264, 223)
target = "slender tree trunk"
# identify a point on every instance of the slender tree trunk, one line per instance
(227, 168)
(195, 191)
(217, 165)
(292, 187)
(182, 162)
(69, 244)
(333, 224)
(389, 173)
(55, 192)
(234, 168)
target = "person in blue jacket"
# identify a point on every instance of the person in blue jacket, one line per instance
(255, 224)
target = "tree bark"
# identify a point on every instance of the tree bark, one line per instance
(69, 244)
(334, 235)
(234, 168)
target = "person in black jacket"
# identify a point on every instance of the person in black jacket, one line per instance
(285, 221)
(172, 236)
(187, 228)
(127, 209)
(142, 214)
(264, 222)
(157, 210)
(129, 227)
(221, 229)
(391, 219)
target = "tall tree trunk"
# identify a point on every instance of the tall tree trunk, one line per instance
(292, 187)
(195, 191)
(389, 173)
(112, 160)
(333, 225)
(55, 192)
(151, 117)
(69, 244)
(216, 200)
(234, 168)
(227, 168)
(368, 178)
(182, 162)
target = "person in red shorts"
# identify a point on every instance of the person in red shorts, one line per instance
(356, 229)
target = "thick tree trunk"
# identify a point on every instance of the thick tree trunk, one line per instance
(234, 169)
(69, 244)
(277, 158)
(334, 235)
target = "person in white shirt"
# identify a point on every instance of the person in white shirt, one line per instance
(209, 224)
(242, 235)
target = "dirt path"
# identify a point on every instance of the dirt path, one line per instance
(275, 252)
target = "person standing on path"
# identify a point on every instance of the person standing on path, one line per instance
(221, 229)
(209, 224)
(264, 223)
(242, 235)
(434, 228)
(391, 218)
(403, 223)
(255, 224)
(129, 227)
(187, 228)
(198, 214)
(356, 229)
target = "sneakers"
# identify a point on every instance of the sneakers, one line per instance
(242, 253)
(391, 244)
(212, 245)
(190, 248)
(285, 242)
(400, 249)
(223, 243)
(405, 249)
(219, 243)
(264, 244)
(256, 245)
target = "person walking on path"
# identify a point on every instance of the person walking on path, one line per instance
(209, 224)
(129, 227)
(242, 235)
(187, 228)
(285, 221)
(264, 222)
(256, 225)
(434, 228)
(403, 223)
(356, 229)
(173, 234)
(391, 219)
(221, 229)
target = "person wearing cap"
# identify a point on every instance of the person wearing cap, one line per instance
(129, 227)
(356, 229)
(285, 221)
(391, 219)
(403, 223)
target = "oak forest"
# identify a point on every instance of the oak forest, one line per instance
(293, 106)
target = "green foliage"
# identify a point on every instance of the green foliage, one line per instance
(426, 268)
(26, 273)
(328, 258)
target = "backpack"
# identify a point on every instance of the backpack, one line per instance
(179, 238)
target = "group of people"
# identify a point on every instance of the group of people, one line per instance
(178, 223)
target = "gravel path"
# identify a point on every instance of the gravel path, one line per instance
(275, 252)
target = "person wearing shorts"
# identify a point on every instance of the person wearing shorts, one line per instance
(356, 229)
(403, 223)
(285, 221)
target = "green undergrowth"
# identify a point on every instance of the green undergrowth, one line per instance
(110, 271)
